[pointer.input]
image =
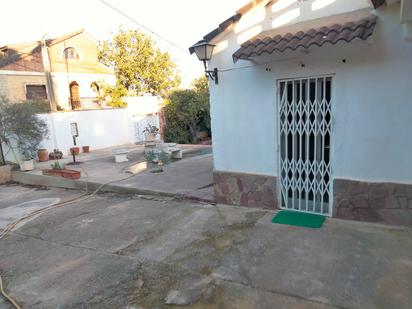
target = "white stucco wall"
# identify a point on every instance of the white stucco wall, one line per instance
(97, 128)
(372, 105)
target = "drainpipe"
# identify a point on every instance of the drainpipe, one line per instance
(49, 85)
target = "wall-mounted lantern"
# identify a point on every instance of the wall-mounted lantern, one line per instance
(204, 52)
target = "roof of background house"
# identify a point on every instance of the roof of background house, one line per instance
(331, 29)
(15, 52)
(242, 11)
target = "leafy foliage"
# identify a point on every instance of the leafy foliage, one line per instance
(113, 94)
(56, 165)
(140, 67)
(19, 123)
(201, 85)
(187, 112)
(157, 157)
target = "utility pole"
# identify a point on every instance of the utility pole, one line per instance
(49, 82)
(49, 85)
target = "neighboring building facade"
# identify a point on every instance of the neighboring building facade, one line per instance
(72, 61)
(313, 108)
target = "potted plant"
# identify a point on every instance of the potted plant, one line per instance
(56, 169)
(27, 161)
(43, 155)
(151, 158)
(75, 150)
(56, 155)
(151, 132)
(157, 160)
(71, 174)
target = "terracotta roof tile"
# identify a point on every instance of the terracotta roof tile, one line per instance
(361, 27)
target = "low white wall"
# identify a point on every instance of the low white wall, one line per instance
(99, 128)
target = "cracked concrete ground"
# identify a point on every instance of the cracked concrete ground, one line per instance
(139, 252)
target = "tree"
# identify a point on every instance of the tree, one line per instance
(20, 126)
(201, 85)
(187, 112)
(140, 67)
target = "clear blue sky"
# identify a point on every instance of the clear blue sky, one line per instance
(181, 21)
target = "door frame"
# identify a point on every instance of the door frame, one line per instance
(332, 138)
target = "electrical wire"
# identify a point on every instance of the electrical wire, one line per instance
(142, 26)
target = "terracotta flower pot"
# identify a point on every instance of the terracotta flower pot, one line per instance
(86, 149)
(75, 150)
(43, 155)
(52, 172)
(71, 174)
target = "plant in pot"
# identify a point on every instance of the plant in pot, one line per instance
(56, 155)
(27, 160)
(151, 132)
(157, 160)
(21, 130)
(56, 169)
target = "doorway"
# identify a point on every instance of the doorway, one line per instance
(74, 95)
(305, 124)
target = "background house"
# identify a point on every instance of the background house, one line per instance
(312, 110)
(64, 70)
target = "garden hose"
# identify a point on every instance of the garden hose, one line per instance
(79, 198)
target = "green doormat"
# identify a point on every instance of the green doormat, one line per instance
(299, 219)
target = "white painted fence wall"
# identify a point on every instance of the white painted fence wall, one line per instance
(99, 128)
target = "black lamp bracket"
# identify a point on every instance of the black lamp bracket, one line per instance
(211, 74)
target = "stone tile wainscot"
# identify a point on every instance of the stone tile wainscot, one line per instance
(257, 191)
(375, 202)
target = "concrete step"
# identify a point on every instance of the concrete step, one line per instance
(60, 182)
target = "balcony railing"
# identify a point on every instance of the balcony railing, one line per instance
(87, 103)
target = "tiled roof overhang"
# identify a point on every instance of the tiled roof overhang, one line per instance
(228, 22)
(235, 18)
(333, 29)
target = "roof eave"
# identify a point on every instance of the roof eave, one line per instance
(214, 33)
(377, 3)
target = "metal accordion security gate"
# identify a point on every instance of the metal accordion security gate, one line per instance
(304, 139)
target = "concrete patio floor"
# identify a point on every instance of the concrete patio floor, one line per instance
(115, 251)
(192, 176)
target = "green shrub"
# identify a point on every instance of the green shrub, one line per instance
(187, 112)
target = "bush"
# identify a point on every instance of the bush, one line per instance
(187, 112)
